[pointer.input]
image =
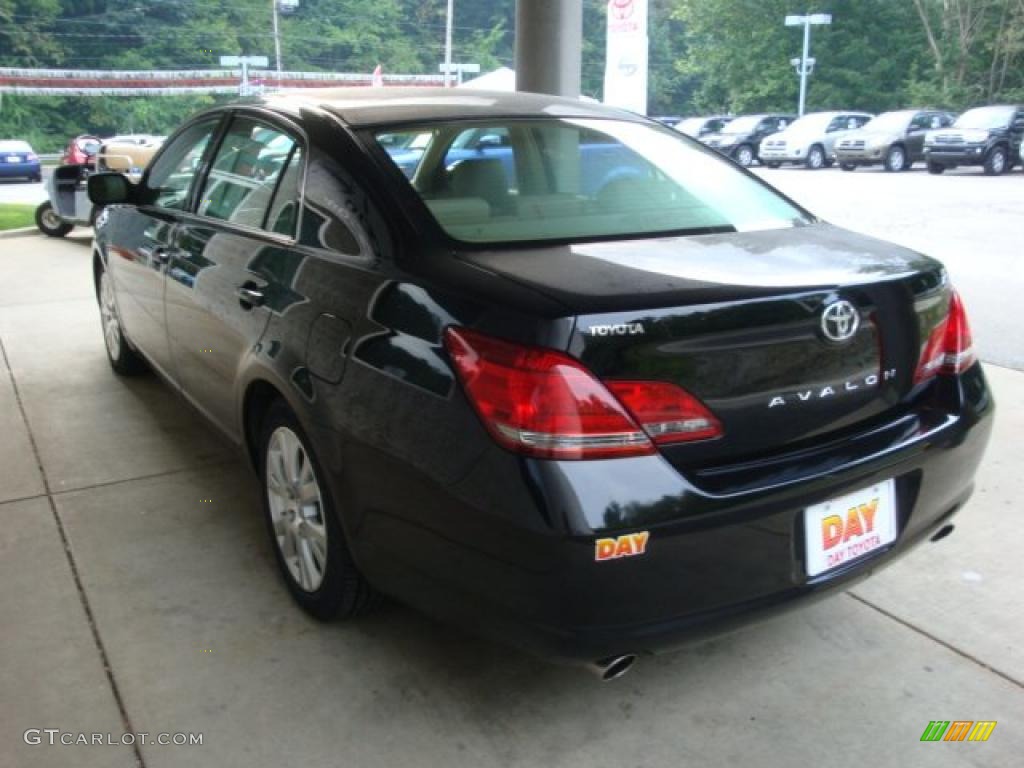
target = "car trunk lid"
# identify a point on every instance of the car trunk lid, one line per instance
(739, 321)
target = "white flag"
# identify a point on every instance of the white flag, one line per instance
(625, 73)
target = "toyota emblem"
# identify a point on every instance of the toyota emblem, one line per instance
(839, 321)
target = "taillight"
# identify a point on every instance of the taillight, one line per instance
(668, 413)
(543, 403)
(31, 157)
(949, 349)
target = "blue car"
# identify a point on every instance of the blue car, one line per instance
(17, 160)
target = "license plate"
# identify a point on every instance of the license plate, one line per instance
(13, 159)
(849, 527)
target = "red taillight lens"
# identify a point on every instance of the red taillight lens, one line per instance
(949, 349)
(543, 403)
(669, 414)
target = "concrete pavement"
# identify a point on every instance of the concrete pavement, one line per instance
(129, 603)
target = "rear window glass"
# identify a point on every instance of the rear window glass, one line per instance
(566, 179)
(15, 146)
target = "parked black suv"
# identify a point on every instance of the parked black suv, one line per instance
(702, 126)
(593, 392)
(985, 136)
(894, 139)
(741, 137)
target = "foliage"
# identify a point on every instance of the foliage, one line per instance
(705, 55)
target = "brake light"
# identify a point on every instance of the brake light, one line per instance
(543, 403)
(949, 349)
(668, 413)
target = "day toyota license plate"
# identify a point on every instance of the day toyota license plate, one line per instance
(848, 527)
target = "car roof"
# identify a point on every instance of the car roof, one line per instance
(381, 106)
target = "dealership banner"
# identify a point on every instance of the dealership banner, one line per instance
(625, 73)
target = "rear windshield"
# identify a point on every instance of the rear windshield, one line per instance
(570, 179)
(15, 146)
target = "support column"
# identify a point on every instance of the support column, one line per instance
(549, 46)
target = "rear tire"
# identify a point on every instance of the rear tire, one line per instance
(936, 168)
(896, 159)
(123, 359)
(996, 162)
(49, 223)
(303, 524)
(815, 158)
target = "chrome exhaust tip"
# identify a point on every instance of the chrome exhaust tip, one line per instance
(613, 667)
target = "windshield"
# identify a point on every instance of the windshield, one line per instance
(985, 117)
(895, 122)
(691, 126)
(743, 124)
(816, 122)
(568, 179)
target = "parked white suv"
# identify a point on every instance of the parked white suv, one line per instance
(811, 140)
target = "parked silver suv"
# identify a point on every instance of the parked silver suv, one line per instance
(811, 139)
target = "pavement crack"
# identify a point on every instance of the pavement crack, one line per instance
(83, 598)
(935, 639)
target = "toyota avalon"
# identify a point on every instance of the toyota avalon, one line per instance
(594, 395)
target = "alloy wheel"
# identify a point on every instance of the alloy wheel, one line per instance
(296, 509)
(108, 316)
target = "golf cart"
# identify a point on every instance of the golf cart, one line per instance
(69, 203)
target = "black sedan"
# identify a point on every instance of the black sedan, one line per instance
(741, 137)
(588, 388)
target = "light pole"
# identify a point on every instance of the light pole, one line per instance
(277, 43)
(448, 46)
(806, 64)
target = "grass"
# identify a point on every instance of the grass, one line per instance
(15, 215)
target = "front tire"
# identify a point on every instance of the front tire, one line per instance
(896, 159)
(123, 359)
(815, 158)
(49, 223)
(745, 155)
(996, 162)
(302, 521)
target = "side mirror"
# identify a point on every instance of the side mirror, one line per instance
(109, 188)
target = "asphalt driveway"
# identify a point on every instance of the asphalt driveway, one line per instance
(138, 594)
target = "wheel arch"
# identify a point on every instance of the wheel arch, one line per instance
(259, 395)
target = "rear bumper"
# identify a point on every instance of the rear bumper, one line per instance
(19, 170)
(723, 550)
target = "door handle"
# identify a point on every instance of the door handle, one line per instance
(250, 295)
(161, 256)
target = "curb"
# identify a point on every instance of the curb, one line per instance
(20, 232)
